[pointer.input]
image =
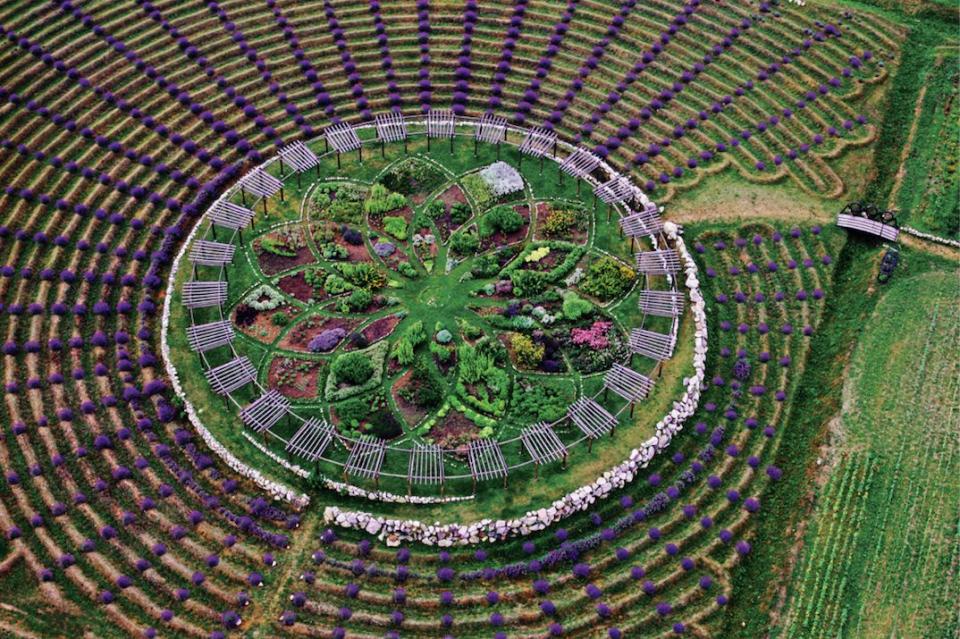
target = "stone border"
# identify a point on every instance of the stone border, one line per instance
(396, 531)
(930, 237)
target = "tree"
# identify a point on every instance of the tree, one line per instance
(352, 368)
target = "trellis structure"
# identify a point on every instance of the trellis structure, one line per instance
(299, 156)
(366, 458)
(265, 411)
(615, 190)
(343, 138)
(207, 253)
(391, 127)
(591, 418)
(204, 337)
(441, 123)
(491, 129)
(425, 466)
(231, 375)
(538, 142)
(310, 440)
(580, 164)
(486, 461)
(661, 303)
(230, 216)
(656, 346)
(204, 293)
(663, 262)
(543, 445)
(261, 184)
(641, 223)
(628, 384)
(865, 225)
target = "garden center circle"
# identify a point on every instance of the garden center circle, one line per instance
(433, 319)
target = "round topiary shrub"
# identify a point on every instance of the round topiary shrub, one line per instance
(352, 368)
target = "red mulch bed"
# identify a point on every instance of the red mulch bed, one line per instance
(376, 221)
(303, 384)
(503, 239)
(296, 287)
(455, 431)
(411, 413)
(577, 236)
(272, 264)
(451, 196)
(380, 328)
(299, 337)
(262, 323)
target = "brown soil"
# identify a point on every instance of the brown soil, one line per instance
(577, 236)
(262, 324)
(299, 337)
(298, 384)
(355, 253)
(376, 221)
(380, 328)
(411, 413)
(552, 259)
(296, 287)
(272, 264)
(455, 431)
(451, 196)
(503, 239)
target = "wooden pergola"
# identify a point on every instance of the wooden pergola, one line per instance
(486, 461)
(628, 384)
(441, 123)
(366, 458)
(231, 375)
(299, 156)
(592, 419)
(265, 411)
(538, 142)
(425, 466)
(343, 138)
(656, 346)
(866, 225)
(662, 262)
(261, 184)
(203, 293)
(543, 445)
(310, 440)
(207, 253)
(491, 129)
(661, 303)
(204, 337)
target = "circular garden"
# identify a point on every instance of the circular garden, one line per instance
(425, 299)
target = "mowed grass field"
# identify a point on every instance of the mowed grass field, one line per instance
(881, 554)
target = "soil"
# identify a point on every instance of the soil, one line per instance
(304, 383)
(411, 413)
(455, 431)
(375, 222)
(355, 253)
(577, 236)
(552, 259)
(503, 239)
(451, 196)
(296, 287)
(272, 264)
(262, 328)
(380, 328)
(299, 337)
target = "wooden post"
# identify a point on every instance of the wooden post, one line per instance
(382, 152)
(281, 167)
(243, 196)
(428, 143)
(264, 206)
(338, 160)
(474, 147)
(281, 194)
(360, 154)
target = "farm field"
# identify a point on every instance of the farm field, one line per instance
(890, 498)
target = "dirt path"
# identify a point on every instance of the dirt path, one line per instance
(928, 246)
(268, 610)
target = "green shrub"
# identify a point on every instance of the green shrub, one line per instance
(528, 282)
(352, 368)
(607, 278)
(358, 300)
(478, 189)
(472, 363)
(333, 251)
(395, 226)
(413, 176)
(363, 274)
(485, 266)
(403, 351)
(417, 334)
(333, 284)
(441, 352)
(425, 389)
(460, 212)
(502, 218)
(381, 199)
(352, 412)
(575, 307)
(280, 319)
(436, 209)
(406, 269)
(464, 243)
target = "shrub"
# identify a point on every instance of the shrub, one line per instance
(502, 179)
(352, 368)
(395, 226)
(478, 189)
(607, 278)
(352, 411)
(436, 209)
(444, 336)
(352, 236)
(413, 176)
(333, 284)
(363, 274)
(503, 219)
(403, 351)
(560, 222)
(338, 202)
(442, 353)
(384, 425)
(485, 266)
(358, 300)
(263, 298)
(460, 212)
(245, 314)
(575, 307)
(528, 282)
(537, 254)
(473, 364)
(528, 353)
(332, 251)
(425, 388)
(327, 340)
(280, 319)
(406, 269)
(464, 243)
(381, 199)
